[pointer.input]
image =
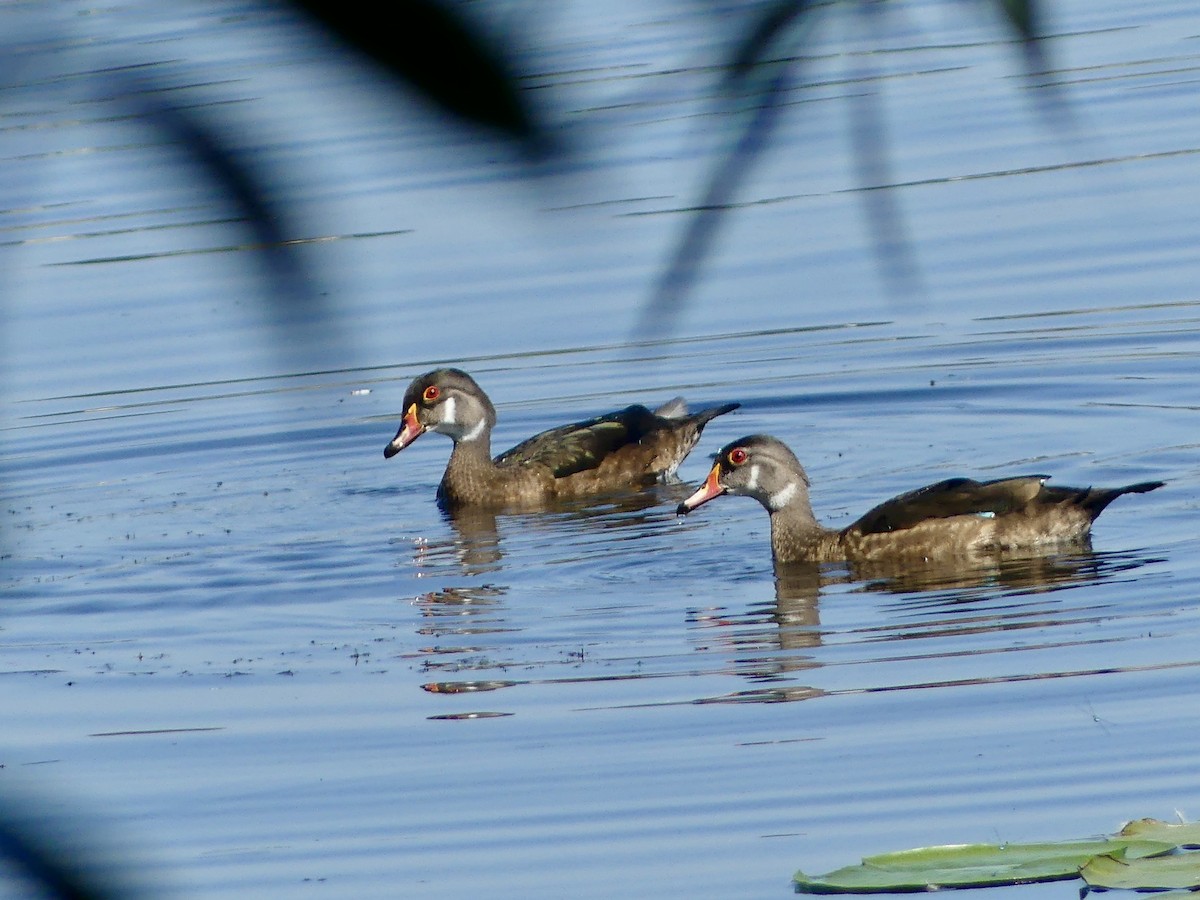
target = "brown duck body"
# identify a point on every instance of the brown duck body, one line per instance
(629, 448)
(957, 518)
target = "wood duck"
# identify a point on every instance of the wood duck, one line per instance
(628, 448)
(954, 518)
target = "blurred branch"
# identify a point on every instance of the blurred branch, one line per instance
(789, 23)
(869, 139)
(670, 293)
(774, 22)
(1022, 15)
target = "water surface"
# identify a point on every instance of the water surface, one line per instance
(264, 658)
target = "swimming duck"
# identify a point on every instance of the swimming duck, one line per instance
(956, 517)
(628, 448)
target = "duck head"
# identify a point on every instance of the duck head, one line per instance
(757, 466)
(447, 401)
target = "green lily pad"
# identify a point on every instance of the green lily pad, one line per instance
(1010, 854)
(972, 865)
(1179, 870)
(1186, 834)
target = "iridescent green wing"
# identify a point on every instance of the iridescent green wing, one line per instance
(582, 445)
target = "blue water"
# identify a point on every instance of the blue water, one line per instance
(252, 658)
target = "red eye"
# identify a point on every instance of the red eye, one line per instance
(738, 455)
(431, 393)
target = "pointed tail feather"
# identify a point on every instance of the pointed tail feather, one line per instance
(707, 415)
(1097, 499)
(1142, 487)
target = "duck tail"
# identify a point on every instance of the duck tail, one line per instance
(1097, 499)
(707, 415)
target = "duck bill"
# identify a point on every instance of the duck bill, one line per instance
(409, 432)
(711, 488)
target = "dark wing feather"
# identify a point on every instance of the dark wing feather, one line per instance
(953, 497)
(582, 445)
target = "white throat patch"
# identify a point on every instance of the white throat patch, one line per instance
(783, 496)
(474, 432)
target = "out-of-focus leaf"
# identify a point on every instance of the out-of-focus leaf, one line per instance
(293, 296)
(202, 143)
(434, 49)
(1180, 870)
(56, 863)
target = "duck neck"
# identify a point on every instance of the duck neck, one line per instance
(796, 534)
(472, 455)
(469, 473)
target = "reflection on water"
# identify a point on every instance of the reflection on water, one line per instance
(777, 645)
(475, 545)
(771, 642)
(1018, 573)
(476, 540)
(461, 611)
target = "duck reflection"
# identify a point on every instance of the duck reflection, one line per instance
(476, 543)
(986, 575)
(461, 611)
(775, 641)
(767, 643)
(454, 617)
(797, 589)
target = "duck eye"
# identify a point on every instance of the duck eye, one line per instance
(431, 393)
(738, 455)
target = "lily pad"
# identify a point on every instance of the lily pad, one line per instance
(1180, 870)
(1185, 834)
(1010, 854)
(973, 865)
